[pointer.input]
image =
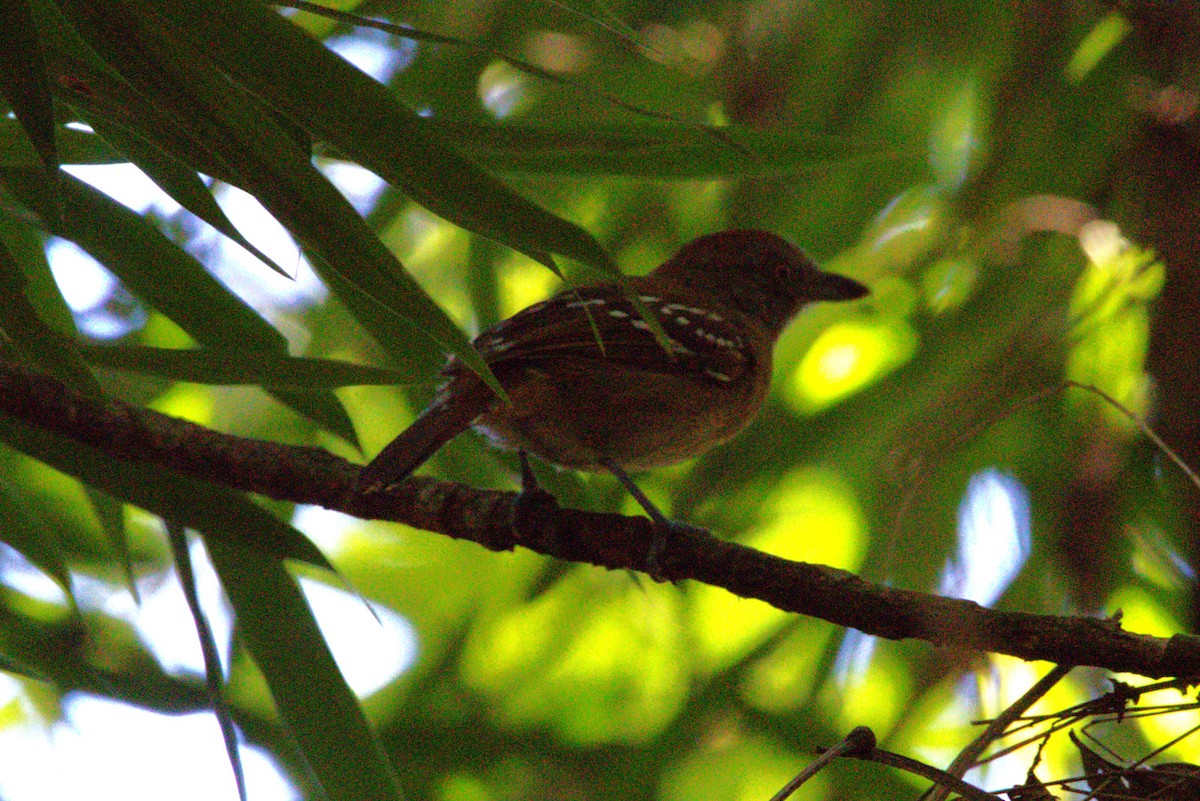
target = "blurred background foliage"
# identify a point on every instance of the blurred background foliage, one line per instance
(1018, 183)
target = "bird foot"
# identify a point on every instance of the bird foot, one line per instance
(532, 502)
(664, 527)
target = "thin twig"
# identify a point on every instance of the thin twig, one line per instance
(935, 775)
(860, 740)
(968, 757)
(1142, 425)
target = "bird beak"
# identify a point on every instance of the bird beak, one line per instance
(831, 286)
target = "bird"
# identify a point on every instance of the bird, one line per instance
(591, 387)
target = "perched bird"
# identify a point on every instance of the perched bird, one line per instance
(591, 388)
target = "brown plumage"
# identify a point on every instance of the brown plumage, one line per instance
(591, 388)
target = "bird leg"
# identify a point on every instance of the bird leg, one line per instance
(664, 526)
(531, 498)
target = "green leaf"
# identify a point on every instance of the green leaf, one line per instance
(477, 48)
(180, 182)
(21, 528)
(219, 511)
(56, 353)
(100, 96)
(224, 368)
(265, 159)
(27, 247)
(81, 147)
(23, 78)
(164, 275)
(160, 272)
(177, 537)
(355, 114)
(58, 652)
(662, 150)
(341, 748)
(111, 515)
(28, 330)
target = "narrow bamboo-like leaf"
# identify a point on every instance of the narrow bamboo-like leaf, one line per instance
(57, 354)
(111, 515)
(28, 249)
(106, 96)
(15, 148)
(74, 147)
(99, 94)
(26, 533)
(58, 652)
(220, 512)
(400, 339)
(340, 746)
(182, 183)
(266, 160)
(23, 78)
(521, 65)
(340, 241)
(110, 99)
(213, 679)
(224, 368)
(661, 151)
(29, 332)
(355, 114)
(160, 272)
(157, 270)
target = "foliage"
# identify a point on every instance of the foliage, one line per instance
(970, 161)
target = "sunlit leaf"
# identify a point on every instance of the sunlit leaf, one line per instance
(661, 150)
(218, 511)
(356, 115)
(219, 367)
(340, 747)
(21, 529)
(23, 79)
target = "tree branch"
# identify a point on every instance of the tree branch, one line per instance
(313, 476)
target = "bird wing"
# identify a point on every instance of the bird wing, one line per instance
(600, 323)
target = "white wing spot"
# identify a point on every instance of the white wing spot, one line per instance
(579, 304)
(681, 320)
(711, 373)
(641, 325)
(649, 299)
(696, 310)
(620, 315)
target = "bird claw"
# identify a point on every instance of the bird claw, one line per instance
(664, 527)
(665, 531)
(531, 501)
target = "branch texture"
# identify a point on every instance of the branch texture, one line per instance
(313, 476)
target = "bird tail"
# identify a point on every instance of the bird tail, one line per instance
(448, 416)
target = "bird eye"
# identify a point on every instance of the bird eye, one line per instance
(783, 271)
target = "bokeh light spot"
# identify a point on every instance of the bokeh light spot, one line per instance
(846, 357)
(993, 539)
(502, 89)
(812, 517)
